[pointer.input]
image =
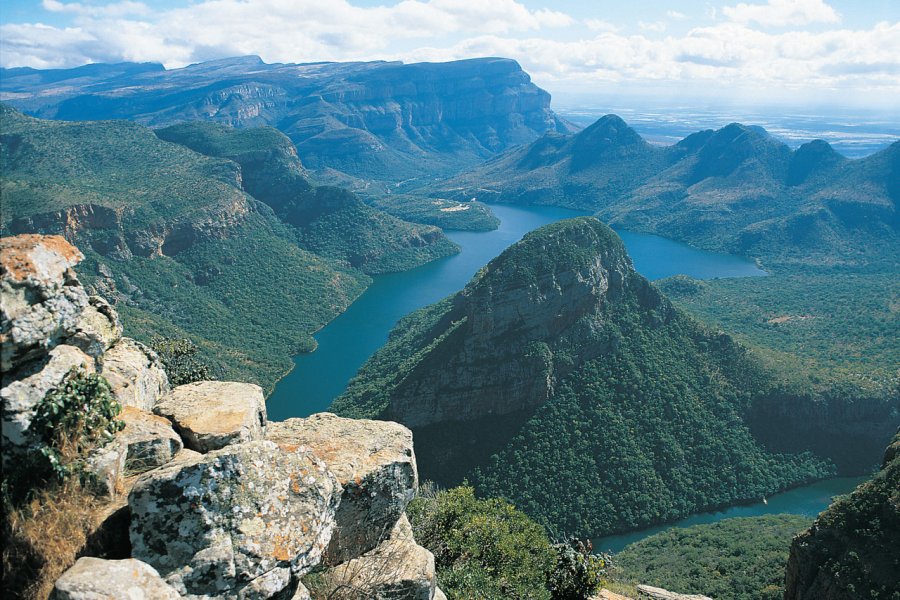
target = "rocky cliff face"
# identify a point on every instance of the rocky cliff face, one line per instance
(851, 550)
(365, 119)
(216, 501)
(521, 325)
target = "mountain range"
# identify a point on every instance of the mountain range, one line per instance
(352, 122)
(736, 189)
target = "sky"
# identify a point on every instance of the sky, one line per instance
(831, 52)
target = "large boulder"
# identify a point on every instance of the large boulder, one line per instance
(98, 579)
(97, 329)
(149, 440)
(375, 464)
(213, 414)
(23, 389)
(41, 298)
(135, 374)
(239, 522)
(397, 569)
(655, 593)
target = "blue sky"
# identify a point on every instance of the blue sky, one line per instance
(755, 51)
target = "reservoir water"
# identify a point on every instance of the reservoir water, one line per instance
(347, 341)
(808, 501)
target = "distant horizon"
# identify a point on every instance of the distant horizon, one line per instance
(822, 53)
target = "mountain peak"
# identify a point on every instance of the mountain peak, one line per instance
(610, 135)
(544, 295)
(811, 159)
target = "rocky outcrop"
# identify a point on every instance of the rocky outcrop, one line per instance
(213, 509)
(95, 578)
(851, 549)
(149, 440)
(24, 388)
(41, 299)
(237, 518)
(375, 464)
(655, 593)
(50, 327)
(213, 414)
(398, 569)
(135, 374)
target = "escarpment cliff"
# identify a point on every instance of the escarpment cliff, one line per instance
(369, 120)
(559, 362)
(220, 237)
(197, 494)
(851, 549)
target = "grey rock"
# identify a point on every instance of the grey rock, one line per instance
(23, 389)
(214, 523)
(135, 374)
(301, 593)
(106, 470)
(213, 414)
(98, 579)
(149, 439)
(97, 329)
(647, 591)
(398, 569)
(374, 463)
(438, 594)
(40, 298)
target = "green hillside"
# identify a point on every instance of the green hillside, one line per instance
(734, 559)
(173, 241)
(329, 221)
(561, 380)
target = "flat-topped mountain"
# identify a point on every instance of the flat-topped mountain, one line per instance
(369, 120)
(561, 379)
(735, 189)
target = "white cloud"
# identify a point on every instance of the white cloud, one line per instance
(783, 13)
(657, 26)
(675, 15)
(116, 9)
(600, 25)
(724, 55)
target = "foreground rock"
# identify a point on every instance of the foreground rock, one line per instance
(239, 522)
(375, 464)
(398, 569)
(98, 579)
(42, 301)
(25, 388)
(149, 440)
(213, 414)
(135, 374)
(648, 591)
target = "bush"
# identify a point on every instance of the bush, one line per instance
(578, 573)
(482, 548)
(74, 418)
(180, 360)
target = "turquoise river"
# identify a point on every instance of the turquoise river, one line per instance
(346, 342)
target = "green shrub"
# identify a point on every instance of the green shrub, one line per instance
(180, 360)
(578, 573)
(483, 549)
(73, 418)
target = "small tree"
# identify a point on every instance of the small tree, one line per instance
(180, 360)
(578, 573)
